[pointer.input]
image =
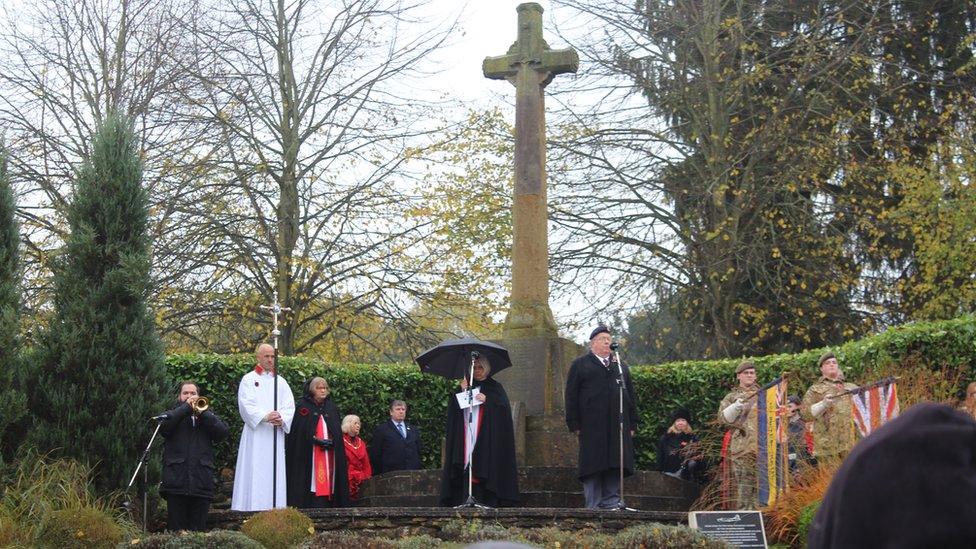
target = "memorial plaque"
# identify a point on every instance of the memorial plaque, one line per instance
(738, 528)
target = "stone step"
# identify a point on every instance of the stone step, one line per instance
(538, 486)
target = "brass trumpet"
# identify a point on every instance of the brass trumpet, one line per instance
(200, 406)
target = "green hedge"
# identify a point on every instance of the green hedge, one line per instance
(361, 389)
(366, 390)
(700, 385)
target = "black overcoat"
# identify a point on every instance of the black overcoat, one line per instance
(495, 466)
(388, 451)
(298, 455)
(592, 408)
(188, 462)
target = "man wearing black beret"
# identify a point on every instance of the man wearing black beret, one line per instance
(593, 413)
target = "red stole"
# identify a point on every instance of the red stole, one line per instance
(323, 461)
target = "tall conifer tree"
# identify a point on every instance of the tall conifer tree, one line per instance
(11, 400)
(103, 373)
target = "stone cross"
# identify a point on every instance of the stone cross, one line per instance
(530, 65)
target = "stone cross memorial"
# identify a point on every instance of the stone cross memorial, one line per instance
(530, 65)
(540, 357)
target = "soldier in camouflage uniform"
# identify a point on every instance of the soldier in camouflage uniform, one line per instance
(737, 410)
(833, 416)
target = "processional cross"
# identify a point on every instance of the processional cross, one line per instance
(276, 309)
(530, 65)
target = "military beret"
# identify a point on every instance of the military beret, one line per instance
(744, 365)
(601, 329)
(825, 356)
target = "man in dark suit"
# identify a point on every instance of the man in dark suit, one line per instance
(593, 413)
(396, 444)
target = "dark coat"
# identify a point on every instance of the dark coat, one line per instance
(388, 451)
(298, 455)
(669, 450)
(908, 484)
(592, 408)
(495, 467)
(188, 462)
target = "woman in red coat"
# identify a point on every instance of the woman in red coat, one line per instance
(356, 456)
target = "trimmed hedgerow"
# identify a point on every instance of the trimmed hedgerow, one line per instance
(361, 389)
(366, 389)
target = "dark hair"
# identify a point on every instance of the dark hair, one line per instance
(397, 402)
(179, 388)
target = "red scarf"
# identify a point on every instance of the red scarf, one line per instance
(323, 462)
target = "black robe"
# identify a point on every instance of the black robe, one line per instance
(495, 468)
(593, 409)
(298, 455)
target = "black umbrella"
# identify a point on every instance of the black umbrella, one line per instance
(452, 357)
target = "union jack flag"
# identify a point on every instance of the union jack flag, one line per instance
(875, 405)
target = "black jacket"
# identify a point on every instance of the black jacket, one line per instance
(188, 463)
(592, 408)
(670, 448)
(495, 466)
(388, 451)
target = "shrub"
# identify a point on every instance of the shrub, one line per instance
(84, 527)
(349, 540)
(279, 528)
(475, 530)
(217, 539)
(806, 519)
(41, 488)
(653, 536)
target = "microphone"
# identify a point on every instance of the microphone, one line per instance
(160, 417)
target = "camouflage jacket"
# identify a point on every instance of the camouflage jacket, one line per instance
(834, 431)
(744, 428)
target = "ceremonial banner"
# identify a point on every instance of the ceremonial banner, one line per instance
(875, 405)
(772, 458)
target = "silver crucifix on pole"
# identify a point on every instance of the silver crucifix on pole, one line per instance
(276, 310)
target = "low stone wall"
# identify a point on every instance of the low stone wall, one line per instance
(397, 522)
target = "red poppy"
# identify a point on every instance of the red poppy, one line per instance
(303, 411)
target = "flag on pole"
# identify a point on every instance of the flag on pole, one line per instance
(875, 405)
(772, 456)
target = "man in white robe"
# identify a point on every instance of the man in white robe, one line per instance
(253, 475)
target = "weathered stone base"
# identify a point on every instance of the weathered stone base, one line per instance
(540, 487)
(395, 522)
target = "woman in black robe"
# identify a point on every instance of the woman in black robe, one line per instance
(495, 469)
(313, 444)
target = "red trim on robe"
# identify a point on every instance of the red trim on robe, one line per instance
(323, 462)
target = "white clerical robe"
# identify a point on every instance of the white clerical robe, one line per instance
(253, 474)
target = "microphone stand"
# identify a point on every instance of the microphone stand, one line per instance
(471, 502)
(620, 387)
(145, 477)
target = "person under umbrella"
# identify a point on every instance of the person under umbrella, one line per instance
(314, 454)
(491, 435)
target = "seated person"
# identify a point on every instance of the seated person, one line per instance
(678, 454)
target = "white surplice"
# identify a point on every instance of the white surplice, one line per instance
(253, 474)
